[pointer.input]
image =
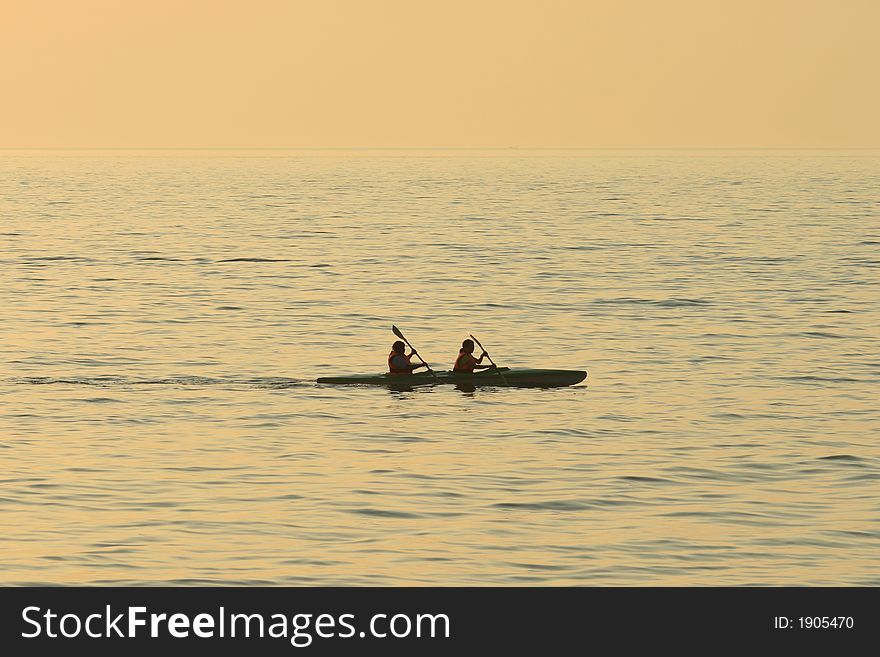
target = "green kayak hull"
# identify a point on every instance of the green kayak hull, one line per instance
(517, 378)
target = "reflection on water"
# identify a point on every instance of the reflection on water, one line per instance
(164, 320)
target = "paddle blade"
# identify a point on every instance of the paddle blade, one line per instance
(397, 332)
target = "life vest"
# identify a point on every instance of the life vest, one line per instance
(464, 363)
(396, 370)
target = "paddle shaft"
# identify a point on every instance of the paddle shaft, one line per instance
(489, 357)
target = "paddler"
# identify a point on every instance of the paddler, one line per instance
(399, 361)
(466, 361)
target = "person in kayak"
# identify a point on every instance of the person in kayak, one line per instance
(466, 363)
(399, 362)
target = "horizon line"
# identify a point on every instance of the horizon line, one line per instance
(439, 148)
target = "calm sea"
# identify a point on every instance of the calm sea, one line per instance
(164, 316)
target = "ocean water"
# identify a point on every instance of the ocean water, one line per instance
(165, 315)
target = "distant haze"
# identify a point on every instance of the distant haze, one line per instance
(475, 74)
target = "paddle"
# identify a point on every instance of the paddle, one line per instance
(490, 360)
(400, 335)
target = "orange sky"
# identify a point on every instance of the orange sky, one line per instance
(480, 73)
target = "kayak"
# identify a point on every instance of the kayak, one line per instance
(518, 378)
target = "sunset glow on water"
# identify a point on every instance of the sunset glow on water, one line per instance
(165, 316)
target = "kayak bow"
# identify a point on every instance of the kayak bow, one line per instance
(516, 378)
